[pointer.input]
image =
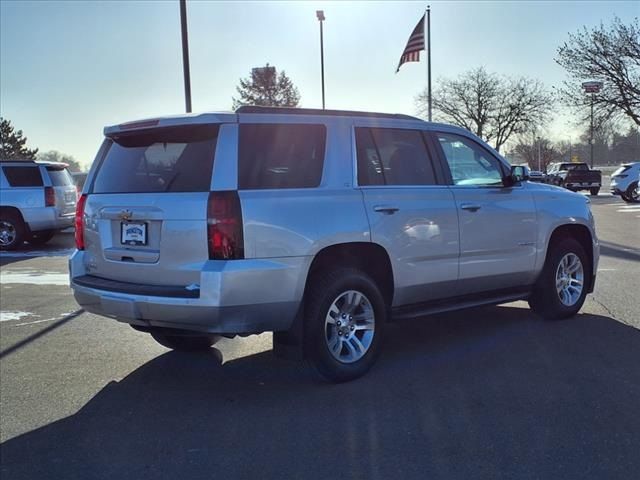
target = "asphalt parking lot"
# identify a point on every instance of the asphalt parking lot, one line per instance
(484, 393)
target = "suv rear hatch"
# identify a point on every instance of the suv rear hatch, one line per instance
(145, 217)
(64, 190)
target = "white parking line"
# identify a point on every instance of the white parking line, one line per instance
(66, 252)
(34, 278)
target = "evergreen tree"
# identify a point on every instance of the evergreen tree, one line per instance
(12, 143)
(265, 87)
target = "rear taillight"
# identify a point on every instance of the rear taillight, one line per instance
(224, 226)
(80, 222)
(49, 197)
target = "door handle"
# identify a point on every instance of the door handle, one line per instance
(472, 207)
(386, 209)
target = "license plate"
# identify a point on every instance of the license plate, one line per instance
(133, 233)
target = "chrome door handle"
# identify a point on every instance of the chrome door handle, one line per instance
(386, 209)
(472, 207)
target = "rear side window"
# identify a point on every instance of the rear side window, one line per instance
(173, 159)
(59, 177)
(391, 156)
(23, 176)
(280, 156)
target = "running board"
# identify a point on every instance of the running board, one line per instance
(457, 303)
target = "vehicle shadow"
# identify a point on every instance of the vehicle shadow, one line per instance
(485, 393)
(62, 244)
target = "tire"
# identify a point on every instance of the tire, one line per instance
(344, 314)
(42, 237)
(594, 191)
(552, 301)
(631, 195)
(12, 232)
(185, 343)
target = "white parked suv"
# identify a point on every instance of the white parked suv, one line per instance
(320, 226)
(624, 182)
(37, 199)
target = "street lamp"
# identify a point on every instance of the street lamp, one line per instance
(185, 55)
(320, 15)
(592, 88)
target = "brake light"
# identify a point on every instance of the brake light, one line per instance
(224, 226)
(49, 197)
(79, 223)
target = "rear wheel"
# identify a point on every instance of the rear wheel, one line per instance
(594, 191)
(345, 314)
(631, 195)
(562, 287)
(12, 232)
(42, 237)
(185, 343)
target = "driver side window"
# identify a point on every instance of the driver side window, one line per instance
(469, 163)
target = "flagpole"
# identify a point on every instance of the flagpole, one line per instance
(429, 57)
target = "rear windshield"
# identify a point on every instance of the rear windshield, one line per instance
(59, 177)
(175, 159)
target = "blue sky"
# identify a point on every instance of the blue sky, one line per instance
(69, 68)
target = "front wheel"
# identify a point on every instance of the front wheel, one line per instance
(345, 313)
(185, 343)
(562, 287)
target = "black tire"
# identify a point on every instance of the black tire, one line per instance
(545, 299)
(12, 231)
(594, 191)
(631, 195)
(325, 289)
(42, 237)
(185, 343)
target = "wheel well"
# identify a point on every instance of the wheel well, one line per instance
(371, 258)
(13, 211)
(577, 232)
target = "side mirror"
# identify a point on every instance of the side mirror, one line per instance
(518, 174)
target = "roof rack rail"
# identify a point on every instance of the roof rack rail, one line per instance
(317, 111)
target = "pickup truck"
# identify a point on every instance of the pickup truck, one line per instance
(574, 176)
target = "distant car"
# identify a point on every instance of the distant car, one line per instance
(624, 182)
(536, 176)
(574, 176)
(38, 199)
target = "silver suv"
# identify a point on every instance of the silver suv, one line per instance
(320, 226)
(37, 199)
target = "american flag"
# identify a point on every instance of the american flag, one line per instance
(414, 45)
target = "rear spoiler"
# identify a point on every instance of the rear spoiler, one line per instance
(151, 123)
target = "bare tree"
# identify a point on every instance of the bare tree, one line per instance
(531, 148)
(494, 108)
(608, 54)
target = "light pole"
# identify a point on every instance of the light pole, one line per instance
(185, 55)
(320, 15)
(592, 88)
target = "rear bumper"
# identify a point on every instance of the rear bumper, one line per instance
(241, 296)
